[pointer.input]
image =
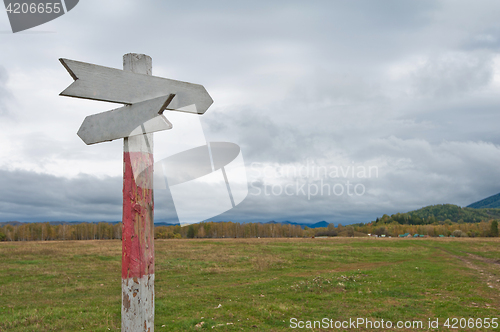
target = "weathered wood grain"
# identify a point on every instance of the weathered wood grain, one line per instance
(136, 119)
(124, 87)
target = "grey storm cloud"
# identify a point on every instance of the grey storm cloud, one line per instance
(42, 197)
(4, 92)
(408, 86)
(262, 137)
(453, 74)
(486, 40)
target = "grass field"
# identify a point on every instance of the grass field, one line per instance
(253, 284)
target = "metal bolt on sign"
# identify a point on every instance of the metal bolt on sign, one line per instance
(145, 99)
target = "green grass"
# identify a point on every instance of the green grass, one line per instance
(260, 284)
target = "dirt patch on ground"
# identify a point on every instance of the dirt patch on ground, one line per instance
(484, 259)
(492, 278)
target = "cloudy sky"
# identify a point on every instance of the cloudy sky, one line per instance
(407, 89)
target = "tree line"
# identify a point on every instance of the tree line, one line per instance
(231, 230)
(390, 227)
(47, 232)
(384, 226)
(107, 231)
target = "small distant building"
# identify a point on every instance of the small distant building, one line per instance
(405, 235)
(441, 235)
(416, 235)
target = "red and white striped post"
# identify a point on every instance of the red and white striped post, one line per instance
(138, 259)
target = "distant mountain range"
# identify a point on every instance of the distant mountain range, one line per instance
(492, 202)
(303, 225)
(441, 213)
(484, 209)
(55, 223)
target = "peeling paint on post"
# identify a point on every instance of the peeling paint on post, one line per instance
(138, 224)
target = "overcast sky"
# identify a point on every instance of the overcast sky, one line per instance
(410, 89)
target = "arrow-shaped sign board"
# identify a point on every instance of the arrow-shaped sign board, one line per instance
(145, 96)
(131, 120)
(118, 86)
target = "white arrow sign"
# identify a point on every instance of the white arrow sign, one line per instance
(118, 86)
(131, 120)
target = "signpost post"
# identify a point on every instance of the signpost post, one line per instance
(145, 97)
(138, 256)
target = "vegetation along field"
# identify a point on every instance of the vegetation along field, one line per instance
(254, 284)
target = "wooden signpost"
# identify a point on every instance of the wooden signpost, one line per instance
(146, 98)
